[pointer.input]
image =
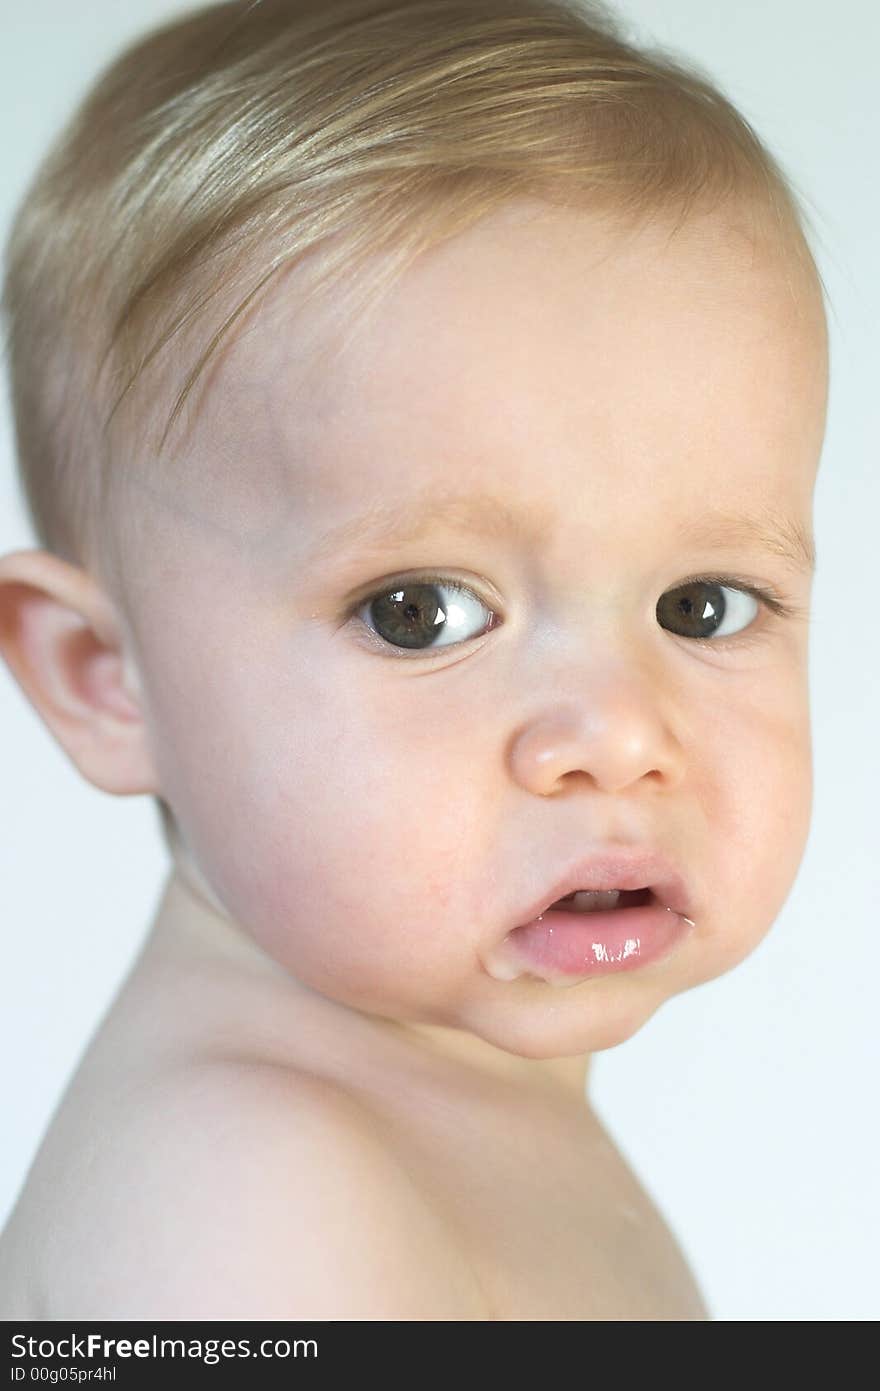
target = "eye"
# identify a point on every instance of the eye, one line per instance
(425, 614)
(430, 612)
(709, 608)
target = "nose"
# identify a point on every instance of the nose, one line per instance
(617, 736)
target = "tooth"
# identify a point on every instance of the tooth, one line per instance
(592, 900)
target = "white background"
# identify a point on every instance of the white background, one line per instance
(749, 1105)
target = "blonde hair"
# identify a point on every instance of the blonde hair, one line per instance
(236, 140)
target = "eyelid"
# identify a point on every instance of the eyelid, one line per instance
(768, 593)
(393, 581)
(773, 597)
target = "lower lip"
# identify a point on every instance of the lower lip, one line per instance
(597, 944)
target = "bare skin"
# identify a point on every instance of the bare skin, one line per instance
(360, 828)
(478, 1143)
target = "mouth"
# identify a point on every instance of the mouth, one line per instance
(618, 911)
(614, 882)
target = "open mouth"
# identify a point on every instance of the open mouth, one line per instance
(602, 900)
(599, 931)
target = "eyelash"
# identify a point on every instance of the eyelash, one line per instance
(769, 597)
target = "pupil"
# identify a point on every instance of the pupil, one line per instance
(694, 610)
(409, 617)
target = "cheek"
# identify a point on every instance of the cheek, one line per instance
(763, 816)
(324, 824)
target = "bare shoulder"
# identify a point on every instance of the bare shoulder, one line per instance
(251, 1191)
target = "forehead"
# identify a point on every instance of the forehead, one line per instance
(538, 341)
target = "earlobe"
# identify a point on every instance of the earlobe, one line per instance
(62, 641)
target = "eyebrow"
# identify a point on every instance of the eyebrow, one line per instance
(490, 517)
(479, 513)
(780, 536)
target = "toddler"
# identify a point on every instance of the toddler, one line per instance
(419, 408)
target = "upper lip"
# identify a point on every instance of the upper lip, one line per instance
(617, 869)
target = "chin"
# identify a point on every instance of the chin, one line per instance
(567, 1023)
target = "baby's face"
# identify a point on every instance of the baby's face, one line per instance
(377, 789)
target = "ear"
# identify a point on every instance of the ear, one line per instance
(62, 641)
